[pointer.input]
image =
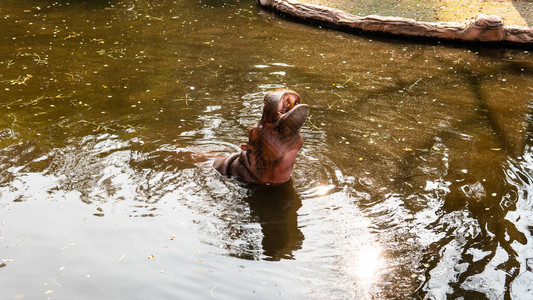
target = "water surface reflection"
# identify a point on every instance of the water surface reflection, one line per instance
(276, 210)
(414, 180)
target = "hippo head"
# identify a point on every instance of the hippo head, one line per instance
(269, 155)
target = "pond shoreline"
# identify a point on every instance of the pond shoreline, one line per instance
(484, 28)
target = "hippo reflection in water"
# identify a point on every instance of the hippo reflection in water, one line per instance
(269, 155)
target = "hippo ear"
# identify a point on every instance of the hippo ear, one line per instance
(294, 119)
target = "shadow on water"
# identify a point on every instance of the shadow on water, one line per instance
(276, 210)
(481, 183)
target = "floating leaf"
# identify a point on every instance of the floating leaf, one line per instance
(48, 292)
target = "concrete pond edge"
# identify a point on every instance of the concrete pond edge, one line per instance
(482, 28)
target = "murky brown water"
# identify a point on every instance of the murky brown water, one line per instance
(414, 181)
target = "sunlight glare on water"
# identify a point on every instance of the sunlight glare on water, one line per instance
(367, 262)
(415, 180)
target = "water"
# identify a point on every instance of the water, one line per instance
(414, 181)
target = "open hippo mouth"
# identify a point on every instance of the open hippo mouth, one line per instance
(283, 109)
(270, 153)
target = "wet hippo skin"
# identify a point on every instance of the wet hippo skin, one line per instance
(269, 155)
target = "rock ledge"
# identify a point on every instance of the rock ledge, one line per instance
(484, 28)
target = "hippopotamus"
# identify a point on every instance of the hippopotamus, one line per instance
(269, 155)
